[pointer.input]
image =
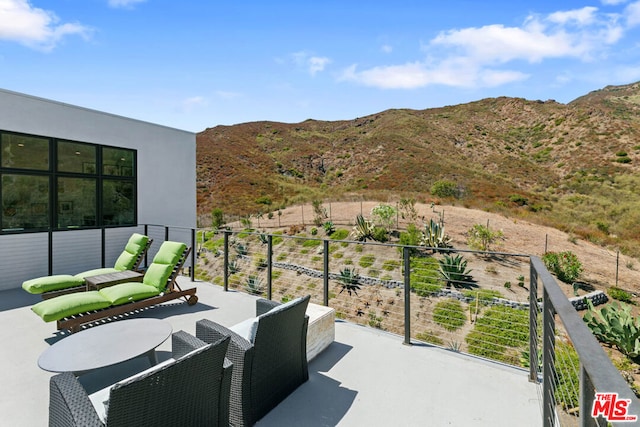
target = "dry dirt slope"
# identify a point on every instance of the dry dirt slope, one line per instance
(520, 237)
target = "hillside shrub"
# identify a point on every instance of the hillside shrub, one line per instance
(620, 294)
(430, 337)
(390, 264)
(450, 315)
(565, 265)
(424, 277)
(366, 261)
(411, 237)
(339, 234)
(500, 334)
(380, 234)
(484, 296)
(444, 188)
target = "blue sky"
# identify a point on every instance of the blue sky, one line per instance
(193, 64)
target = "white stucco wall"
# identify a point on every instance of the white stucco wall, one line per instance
(166, 159)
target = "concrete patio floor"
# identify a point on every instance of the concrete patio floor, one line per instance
(365, 378)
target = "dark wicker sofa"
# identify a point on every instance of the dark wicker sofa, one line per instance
(191, 390)
(269, 367)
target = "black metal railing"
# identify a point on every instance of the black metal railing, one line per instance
(568, 388)
(164, 233)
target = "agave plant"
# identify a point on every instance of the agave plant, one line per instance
(363, 229)
(254, 285)
(434, 236)
(234, 266)
(453, 270)
(615, 325)
(328, 227)
(241, 249)
(349, 280)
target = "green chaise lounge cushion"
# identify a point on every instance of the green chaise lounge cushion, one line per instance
(96, 272)
(70, 304)
(127, 259)
(52, 283)
(135, 246)
(154, 283)
(163, 263)
(128, 292)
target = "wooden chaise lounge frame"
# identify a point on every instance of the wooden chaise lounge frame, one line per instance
(173, 291)
(136, 267)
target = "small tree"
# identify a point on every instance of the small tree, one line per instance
(565, 265)
(481, 237)
(444, 188)
(383, 215)
(217, 218)
(407, 208)
(319, 213)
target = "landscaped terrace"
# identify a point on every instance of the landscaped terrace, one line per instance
(480, 368)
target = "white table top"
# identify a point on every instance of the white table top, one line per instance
(105, 345)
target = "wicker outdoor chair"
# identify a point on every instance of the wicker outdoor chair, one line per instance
(192, 389)
(269, 356)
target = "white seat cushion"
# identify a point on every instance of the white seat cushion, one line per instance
(247, 328)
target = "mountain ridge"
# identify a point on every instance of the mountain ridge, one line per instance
(518, 156)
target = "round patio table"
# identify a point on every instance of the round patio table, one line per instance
(106, 345)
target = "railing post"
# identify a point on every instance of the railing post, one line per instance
(193, 254)
(533, 324)
(146, 254)
(103, 248)
(548, 358)
(50, 249)
(325, 276)
(586, 400)
(269, 264)
(407, 295)
(166, 233)
(226, 260)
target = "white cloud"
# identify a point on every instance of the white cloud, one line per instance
(632, 14)
(584, 16)
(124, 4)
(455, 72)
(228, 94)
(313, 64)
(34, 27)
(195, 102)
(613, 2)
(386, 48)
(317, 64)
(479, 56)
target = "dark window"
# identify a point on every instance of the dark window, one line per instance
(25, 202)
(118, 202)
(76, 202)
(76, 157)
(25, 152)
(117, 162)
(59, 184)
